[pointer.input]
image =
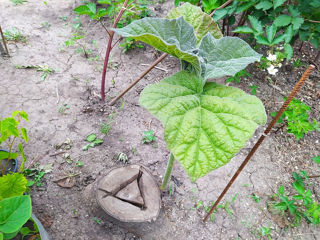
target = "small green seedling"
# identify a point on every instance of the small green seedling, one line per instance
(253, 89)
(224, 206)
(265, 232)
(40, 68)
(75, 212)
(18, 2)
(93, 141)
(46, 25)
(79, 164)
(97, 220)
(37, 174)
(297, 119)
(129, 44)
(297, 63)
(237, 77)
(64, 18)
(134, 151)
(105, 127)
(316, 159)
(148, 137)
(14, 35)
(63, 108)
(255, 198)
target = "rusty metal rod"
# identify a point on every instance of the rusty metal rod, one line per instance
(4, 41)
(138, 79)
(222, 6)
(266, 132)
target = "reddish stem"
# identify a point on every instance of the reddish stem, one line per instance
(109, 47)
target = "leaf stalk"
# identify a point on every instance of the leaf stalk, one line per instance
(168, 172)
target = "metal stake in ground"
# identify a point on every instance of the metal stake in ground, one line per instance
(138, 79)
(266, 132)
(4, 41)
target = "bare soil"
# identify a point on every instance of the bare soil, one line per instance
(65, 107)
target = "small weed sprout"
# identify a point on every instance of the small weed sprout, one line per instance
(255, 198)
(129, 44)
(63, 108)
(253, 89)
(93, 141)
(299, 206)
(297, 119)
(237, 77)
(40, 68)
(14, 35)
(18, 2)
(46, 25)
(148, 137)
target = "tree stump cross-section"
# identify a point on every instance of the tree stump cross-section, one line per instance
(129, 194)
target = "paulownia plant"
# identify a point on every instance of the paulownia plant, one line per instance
(205, 123)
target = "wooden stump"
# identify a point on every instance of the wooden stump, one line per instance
(129, 194)
(129, 197)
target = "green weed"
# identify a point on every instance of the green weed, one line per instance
(40, 68)
(237, 77)
(148, 137)
(253, 89)
(18, 2)
(299, 206)
(129, 44)
(297, 119)
(14, 35)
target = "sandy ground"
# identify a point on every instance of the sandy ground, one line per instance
(66, 106)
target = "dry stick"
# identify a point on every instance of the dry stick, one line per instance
(222, 6)
(138, 79)
(241, 21)
(109, 47)
(4, 41)
(266, 132)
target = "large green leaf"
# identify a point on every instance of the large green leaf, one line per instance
(12, 185)
(201, 22)
(225, 56)
(204, 127)
(173, 36)
(14, 212)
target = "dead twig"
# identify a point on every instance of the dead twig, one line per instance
(222, 6)
(138, 79)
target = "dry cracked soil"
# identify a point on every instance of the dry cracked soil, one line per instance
(65, 107)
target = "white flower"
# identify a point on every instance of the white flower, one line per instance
(272, 57)
(272, 70)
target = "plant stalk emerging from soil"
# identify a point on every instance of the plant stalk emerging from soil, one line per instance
(168, 172)
(109, 48)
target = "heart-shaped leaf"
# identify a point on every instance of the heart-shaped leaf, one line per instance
(201, 22)
(204, 126)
